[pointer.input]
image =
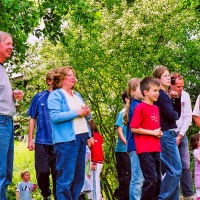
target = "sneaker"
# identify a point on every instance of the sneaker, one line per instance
(47, 198)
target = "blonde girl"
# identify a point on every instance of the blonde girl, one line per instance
(135, 96)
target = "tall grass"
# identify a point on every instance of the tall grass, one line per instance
(23, 160)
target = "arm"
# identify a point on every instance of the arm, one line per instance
(59, 109)
(165, 106)
(196, 112)
(31, 127)
(142, 131)
(121, 135)
(120, 127)
(17, 195)
(197, 120)
(186, 117)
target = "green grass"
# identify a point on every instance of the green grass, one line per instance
(23, 160)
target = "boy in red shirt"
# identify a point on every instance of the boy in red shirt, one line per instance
(146, 126)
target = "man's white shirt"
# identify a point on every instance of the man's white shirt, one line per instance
(185, 119)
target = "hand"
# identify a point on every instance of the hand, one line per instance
(174, 94)
(178, 139)
(157, 132)
(31, 145)
(93, 166)
(86, 110)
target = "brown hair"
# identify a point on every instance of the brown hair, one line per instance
(132, 85)
(23, 173)
(93, 126)
(147, 82)
(50, 75)
(174, 77)
(4, 35)
(159, 70)
(194, 141)
(60, 74)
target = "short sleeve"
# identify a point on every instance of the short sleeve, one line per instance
(196, 111)
(119, 121)
(136, 121)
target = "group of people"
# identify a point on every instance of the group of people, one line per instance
(152, 152)
(62, 133)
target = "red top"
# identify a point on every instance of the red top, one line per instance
(96, 149)
(147, 117)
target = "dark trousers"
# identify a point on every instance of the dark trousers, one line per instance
(150, 164)
(123, 166)
(45, 164)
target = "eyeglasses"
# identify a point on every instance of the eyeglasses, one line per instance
(166, 75)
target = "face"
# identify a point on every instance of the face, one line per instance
(69, 80)
(152, 93)
(137, 93)
(165, 79)
(26, 177)
(179, 85)
(6, 47)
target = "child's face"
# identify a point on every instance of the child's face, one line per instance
(153, 93)
(137, 93)
(165, 79)
(26, 177)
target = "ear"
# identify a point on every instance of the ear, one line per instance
(145, 92)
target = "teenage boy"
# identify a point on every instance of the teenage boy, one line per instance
(45, 158)
(146, 126)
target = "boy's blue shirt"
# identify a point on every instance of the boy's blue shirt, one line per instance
(130, 142)
(38, 110)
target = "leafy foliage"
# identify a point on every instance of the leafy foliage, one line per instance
(107, 42)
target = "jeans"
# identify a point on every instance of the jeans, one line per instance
(171, 161)
(70, 165)
(6, 154)
(150, 164)
(123, 166)
(136, 177)
(186, 177)
(96, 182)
(45, 164)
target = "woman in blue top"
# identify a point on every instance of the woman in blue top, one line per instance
(70, 131)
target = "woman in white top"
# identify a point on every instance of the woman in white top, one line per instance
(70, 132)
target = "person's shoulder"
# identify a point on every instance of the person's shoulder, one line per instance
(135, 102)
(122, 111)
(186, 94)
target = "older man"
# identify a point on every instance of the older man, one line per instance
(183, 123)
(7, 110)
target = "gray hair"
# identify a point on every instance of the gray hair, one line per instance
(4, 35)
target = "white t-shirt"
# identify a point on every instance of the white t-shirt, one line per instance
(75, 103)
(196, 111)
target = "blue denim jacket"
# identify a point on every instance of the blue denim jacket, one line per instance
(62, 117)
